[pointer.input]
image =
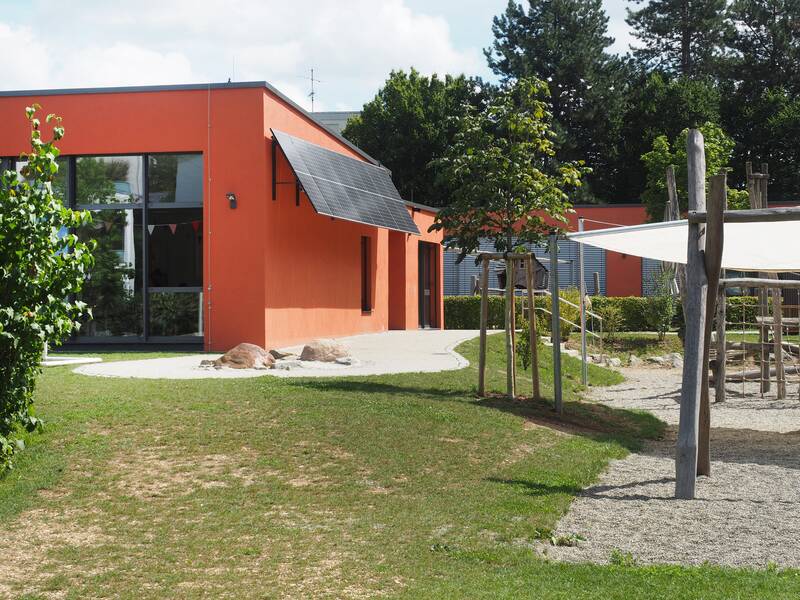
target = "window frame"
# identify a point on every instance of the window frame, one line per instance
(145, 206)
(366, 274)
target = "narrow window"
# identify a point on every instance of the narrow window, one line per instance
(366, 296)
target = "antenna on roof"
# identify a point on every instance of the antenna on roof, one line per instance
(313, 93)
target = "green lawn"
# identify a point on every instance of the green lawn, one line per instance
(400, 485)
(625, 343)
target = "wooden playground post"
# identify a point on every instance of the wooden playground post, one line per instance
(713, 262)
(757, 192)
(534, 339)
(720, 366)
(777, 336)
(696, 301)
(484, 323)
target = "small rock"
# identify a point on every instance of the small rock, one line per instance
(675, 355)
(288, 365)
(659, 360)
(634, 361)
(278, 355)
(614, 362)
(324, 351)
(677, 362)
(346, 360)
(245, 356)
(206, 364)
(595, 358)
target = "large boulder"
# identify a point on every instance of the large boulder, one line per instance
(324, 351)
(246, 356)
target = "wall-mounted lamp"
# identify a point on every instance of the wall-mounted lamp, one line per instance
(231, 199)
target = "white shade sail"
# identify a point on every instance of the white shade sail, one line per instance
(748, 246)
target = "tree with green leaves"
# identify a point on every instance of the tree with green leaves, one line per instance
(566, 42)
(661, 105)
(683, 37)
(765, 39)
(412, 121)
(505, 181)
(719, 149)
(504, 177)
(42, 267)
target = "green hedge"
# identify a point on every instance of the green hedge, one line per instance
(464, 312)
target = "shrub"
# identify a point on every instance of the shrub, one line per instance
(612, 320)
(41, 268)
(464, 312)
(659, 308)
(524, 343)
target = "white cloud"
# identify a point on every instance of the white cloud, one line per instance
(26, 57)
(121, 64)
(351, 44)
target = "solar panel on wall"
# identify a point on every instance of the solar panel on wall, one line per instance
(346, 188)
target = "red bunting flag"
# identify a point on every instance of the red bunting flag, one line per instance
(150, 229)
(196, 225)
(173, 227)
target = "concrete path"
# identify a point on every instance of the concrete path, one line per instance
(378, 353)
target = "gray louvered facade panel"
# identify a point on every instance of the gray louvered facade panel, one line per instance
(650, 269)
(459, 277)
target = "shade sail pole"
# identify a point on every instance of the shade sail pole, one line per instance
(696, 299)
(584, 366)
(555, 306)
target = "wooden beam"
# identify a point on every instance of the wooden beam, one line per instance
(720, 366)
(756, 215)
(777, 337)
(484, 323)
(759, 282)
(510, 391)
(696, 301)
(713, 262)
(534, 338)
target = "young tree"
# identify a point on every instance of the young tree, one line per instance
(719, 148)
(504, 177)
(412, 121)
(504, 180)
(684, 37)
(565, 42)
(42, 267)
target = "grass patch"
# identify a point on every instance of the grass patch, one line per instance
(639, 343)
(403, 485)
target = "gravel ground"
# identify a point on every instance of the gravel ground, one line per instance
(746, 514)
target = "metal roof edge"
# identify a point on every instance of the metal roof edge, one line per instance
(432, 209)
(182, 87)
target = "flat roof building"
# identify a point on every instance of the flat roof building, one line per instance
(225, 213)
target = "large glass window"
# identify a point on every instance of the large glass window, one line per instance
(109, 180)
(175, 179)
(113, 288)
(175, 244)
(147, 279)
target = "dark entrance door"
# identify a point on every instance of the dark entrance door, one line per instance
(427, 285)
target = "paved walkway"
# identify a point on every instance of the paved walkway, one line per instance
(378, 353)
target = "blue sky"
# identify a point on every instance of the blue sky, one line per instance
(351, 44)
